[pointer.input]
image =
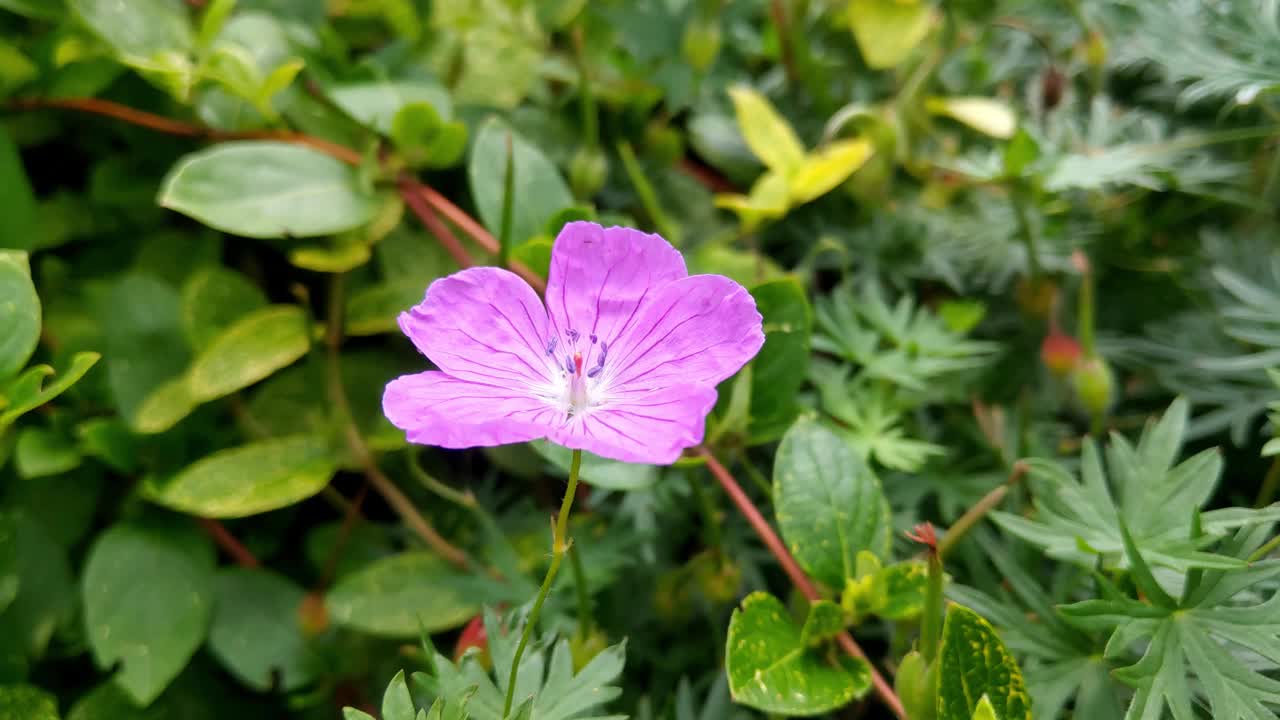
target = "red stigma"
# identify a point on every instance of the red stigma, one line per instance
(577, 362)
(925, 535)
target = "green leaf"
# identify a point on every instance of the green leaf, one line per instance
(397, 704)
(827, 167)
(19, 313)
(402, 595)
(265, 189)
(249, 479)
(771, 670)
(888, 30)
(213, 299)
(151, 36)
(28, 391)
(253, 348)
(256, 633)
(375, 104)
(828, 503)
(974, 663)
(779, 370)
(33, 563)
(985, 710)
(109, 440)
(537, 183)
(825, 621)
(766, 132)
(987, 116)
(41, 452)
(598, 471)
(18, 224)
(26, 702)
(39, 9)
(152, 627)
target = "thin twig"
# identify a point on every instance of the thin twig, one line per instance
(381, 484)
(779, 14)
(229, 544)
(793, 571)
(980, 510)
(418, 205)
(349, 518)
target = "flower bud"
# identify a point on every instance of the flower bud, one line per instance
(701, 42)
(913, 685)
(1059, 353)
(588, 171)
(1094, 385)
(1052, 86)
(719, 580)
(313, 617)
(663, 143)
(473, 635)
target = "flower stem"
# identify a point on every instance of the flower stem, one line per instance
(584, 594)
(559, 545)
(931, 623)
(1265, 550)
(648, 198)
(979, 510)
(709, 515)
(793, 571)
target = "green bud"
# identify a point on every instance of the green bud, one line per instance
(1094, 385)
(913, 684)
(663, 142)
(701, 42)
(588, 171)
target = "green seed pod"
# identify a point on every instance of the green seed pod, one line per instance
(701, 42)
(1094, 385)
(588, 171)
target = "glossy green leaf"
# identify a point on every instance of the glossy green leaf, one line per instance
(766, 132)
(828, 503)
(18, 226)
(402, 595)
(27, 702)
(152, 36)
(375, 104)
(29, 390)
(771, 670)
(779, 369)
(212, 300)
(40, 9)
(33, 564)
(256, 633)
(253, 348)
(154, 627)
(825, 621)
(265, 189)
(536, 183)
(249, 479)
(888, 30)
(42, 451)
(19, 313)
(973, 663)
(373, 310)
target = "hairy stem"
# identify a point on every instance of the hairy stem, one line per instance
(793, 571)
(559, 545)
(979, 510)
(381, 484)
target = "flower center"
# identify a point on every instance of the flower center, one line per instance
(581, 389)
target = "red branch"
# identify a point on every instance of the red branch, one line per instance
(229, 544)
(793, 570)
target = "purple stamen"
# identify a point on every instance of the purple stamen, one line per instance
(595, 371)
(551, 346)
(604, 350)
(573, 335)
(568, 364)
(593, 339)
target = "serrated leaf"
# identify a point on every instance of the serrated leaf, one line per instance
(265, 189)
(153, 628)
(973, 663)
(771, 670)
(828, 503)
(249, 479)
(767, 133)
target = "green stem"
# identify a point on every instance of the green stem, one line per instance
(1270, 484)
(931, 624)
(1265, 550)
(462, 499)
(584, 595)
(648, 198)
(757, 477)
(559, 545)
(710, 517)
(590, 121)
(1084, 327)
(1025, 231)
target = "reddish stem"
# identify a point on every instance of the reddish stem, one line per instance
(797, 575)
(409, 190)
(229, 544)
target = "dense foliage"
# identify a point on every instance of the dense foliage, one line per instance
(1007, 451)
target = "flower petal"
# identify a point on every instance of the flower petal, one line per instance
(436, 409)
(599, 277)
(651, 427)
(701, 329)
(482, 324)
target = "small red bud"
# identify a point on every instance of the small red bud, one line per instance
(1052, 86)
(1059, 353)
(925, 535)
(313, 616)
(472, 636)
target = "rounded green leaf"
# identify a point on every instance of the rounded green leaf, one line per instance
(268, 190)
(973, 663)
(148, 595)
(539, 190)
(375, 104)
(770, 669)
(888, 30)
(779, 370)
(256, 631)
(250, 350)
(250, 479)
(401, 595)
(25, 702)
(19, 312)
(828, 503)
(213, 299)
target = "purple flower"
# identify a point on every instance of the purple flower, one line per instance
(623, 361)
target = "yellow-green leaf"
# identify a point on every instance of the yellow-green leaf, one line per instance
(767, 133)
(249, 479)
(986, 115)
(888, 30)
(256, 346)
(826, 168)
(973, 663)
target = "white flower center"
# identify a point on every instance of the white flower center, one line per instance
(578, 385)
